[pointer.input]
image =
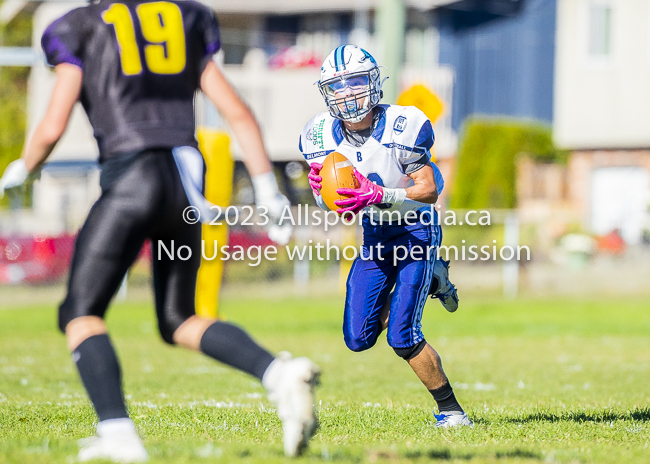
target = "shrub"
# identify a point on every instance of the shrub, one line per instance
(13, 92)
(485, 174)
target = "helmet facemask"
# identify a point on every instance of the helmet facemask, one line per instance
(350, 97)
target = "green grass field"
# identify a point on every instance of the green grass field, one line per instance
(544, 381)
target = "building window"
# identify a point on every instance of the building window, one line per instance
(600, 29)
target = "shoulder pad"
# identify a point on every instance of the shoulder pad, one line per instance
(408, 131)
(63, 39)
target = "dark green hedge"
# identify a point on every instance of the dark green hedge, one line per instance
(485, 170)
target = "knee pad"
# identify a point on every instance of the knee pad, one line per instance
(411, 351)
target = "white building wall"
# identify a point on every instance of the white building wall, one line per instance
(602, 100)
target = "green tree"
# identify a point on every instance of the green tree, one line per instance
(13, 91)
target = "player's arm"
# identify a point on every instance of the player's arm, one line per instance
(424, 190)
(239, 117)
(243, 124)
(48, 132)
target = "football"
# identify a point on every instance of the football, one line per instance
(337, 172)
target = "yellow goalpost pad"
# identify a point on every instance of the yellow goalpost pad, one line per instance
(215, 147)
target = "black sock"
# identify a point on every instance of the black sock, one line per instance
(446, 399)
(232, 346)
(100, 374)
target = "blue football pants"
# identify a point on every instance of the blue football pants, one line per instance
(399, 264)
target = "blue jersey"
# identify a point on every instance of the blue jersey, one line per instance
(402, 138)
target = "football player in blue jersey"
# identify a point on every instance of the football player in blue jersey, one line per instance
(389, 146)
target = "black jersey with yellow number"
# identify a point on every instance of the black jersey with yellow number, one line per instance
(141, 64)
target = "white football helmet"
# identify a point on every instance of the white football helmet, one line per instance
(350, 83)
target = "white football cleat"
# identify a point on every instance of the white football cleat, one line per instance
(116, 440)
(452, 420)
(290, 383)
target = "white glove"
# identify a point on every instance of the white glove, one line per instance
(268, 194)
(280, 234)
(15, 175)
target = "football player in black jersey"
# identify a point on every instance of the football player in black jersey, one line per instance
(135, 67)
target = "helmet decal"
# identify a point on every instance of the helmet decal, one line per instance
(366, 56)
(339, 59)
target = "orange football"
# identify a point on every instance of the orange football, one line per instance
(337, 172)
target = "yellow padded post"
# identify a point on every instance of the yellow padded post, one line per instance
(215, 147)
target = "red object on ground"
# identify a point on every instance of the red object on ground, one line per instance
(41, 260)
(34, 259)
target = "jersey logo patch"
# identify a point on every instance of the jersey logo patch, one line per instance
(317, 134)
(400, 124)
(318, 154)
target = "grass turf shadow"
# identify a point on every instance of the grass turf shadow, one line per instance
(448, 455)
(641, 414)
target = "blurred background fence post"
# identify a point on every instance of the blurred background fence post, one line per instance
(391, 28)
(511, 265)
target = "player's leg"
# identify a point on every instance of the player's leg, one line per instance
(427, 365)
(440, 287)
(404, 329)
(289, 381)
(106, 246)
(368, 286)
(175, 292)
